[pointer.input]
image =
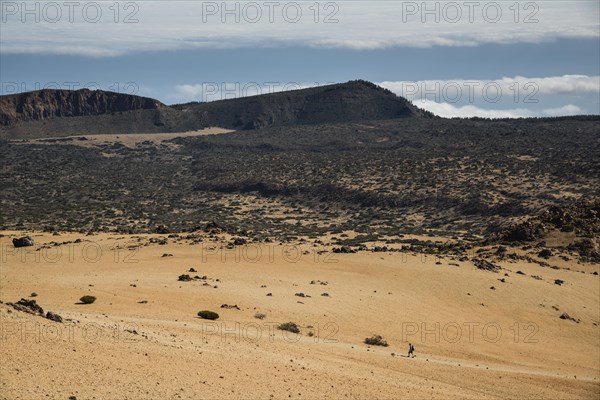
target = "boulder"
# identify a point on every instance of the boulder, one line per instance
(25, 241)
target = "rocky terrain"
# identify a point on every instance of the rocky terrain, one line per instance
(297, 255)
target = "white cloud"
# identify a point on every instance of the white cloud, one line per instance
(451, 111)
(172, 25)
(569, 109)
(518, 89)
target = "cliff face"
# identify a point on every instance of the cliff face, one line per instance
(50, 103)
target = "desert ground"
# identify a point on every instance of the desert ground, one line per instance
(477, 334)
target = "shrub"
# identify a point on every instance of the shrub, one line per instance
(33, 294)
(376, 340)
(259, 315)
(208, 315)
(87, 299)
(290, 327)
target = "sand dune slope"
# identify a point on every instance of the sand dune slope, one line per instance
(142, 338)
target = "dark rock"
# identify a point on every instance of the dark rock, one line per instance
(587, 248)
(545, 254)
(559, 282)
(567, 317)
(25, 241)
(161, 229)
(53, 317)
(527, 231)
(185, 278)
(485, 265)
(239, 241)
(28, 306)
(229, 306)
(344, 249)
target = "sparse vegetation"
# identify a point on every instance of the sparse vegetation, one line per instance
(260, 315)
(211, 315)
(33, 294)
(376, 340)
(290, 327)
(87, 299)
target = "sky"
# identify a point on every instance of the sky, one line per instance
(454, 58)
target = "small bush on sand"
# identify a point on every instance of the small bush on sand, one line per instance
(290, 327)
(376, 340)
(87, 299)
(208, 315)
(34, 294)
(260, 315)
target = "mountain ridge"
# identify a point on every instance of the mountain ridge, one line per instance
(65, 112)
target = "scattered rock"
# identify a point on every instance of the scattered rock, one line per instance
(546, 254)
(24, 241)
(28, 306)
(485, 265)
(567, 317)
(53, 317)
(344, 250)
(559, 282)
(229, 306)
(184, 278)
(239, 241)
(162, 230)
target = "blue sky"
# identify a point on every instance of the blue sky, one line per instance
(533, 59)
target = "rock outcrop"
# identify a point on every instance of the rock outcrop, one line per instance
(51, 103)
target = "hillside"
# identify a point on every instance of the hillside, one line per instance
(49, 113)
(351, 101)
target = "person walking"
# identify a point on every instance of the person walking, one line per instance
(411, 350)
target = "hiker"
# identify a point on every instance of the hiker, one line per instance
(411, 350)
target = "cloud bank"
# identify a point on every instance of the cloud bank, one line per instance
(103, 29)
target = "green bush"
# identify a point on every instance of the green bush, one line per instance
(34, 294)
(87, 299)
(208, 315)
